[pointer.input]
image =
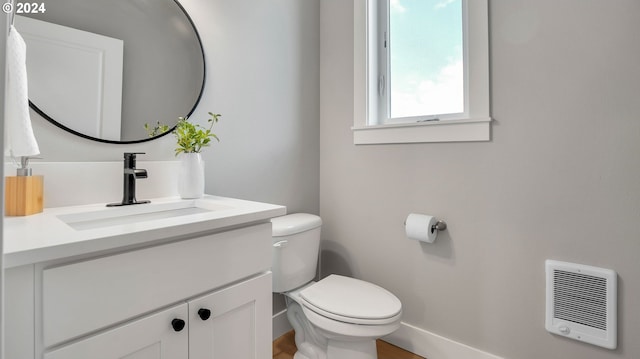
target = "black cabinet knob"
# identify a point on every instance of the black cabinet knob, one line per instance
(204, 313)
(178, 324)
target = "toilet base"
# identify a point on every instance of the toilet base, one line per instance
(310, 344)
(338, 350)
(313, 343)
(352, 350)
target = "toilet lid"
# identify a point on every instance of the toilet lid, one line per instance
(352, 298)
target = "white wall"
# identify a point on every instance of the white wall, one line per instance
(559, 180)
(262, 76)
(3, 42)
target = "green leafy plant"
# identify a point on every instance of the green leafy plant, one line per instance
(156, 130)
(191, 138)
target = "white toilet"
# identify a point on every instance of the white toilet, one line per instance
(336, 318)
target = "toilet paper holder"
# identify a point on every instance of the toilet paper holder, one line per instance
(439, 226)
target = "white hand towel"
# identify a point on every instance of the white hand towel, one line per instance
(19, 139)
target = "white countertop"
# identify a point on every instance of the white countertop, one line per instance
(52, 235)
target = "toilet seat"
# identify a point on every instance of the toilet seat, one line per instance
(350, 300)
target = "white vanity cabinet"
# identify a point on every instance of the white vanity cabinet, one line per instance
(131, 302)
(224, 324)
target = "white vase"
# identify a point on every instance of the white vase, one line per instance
(191, 176)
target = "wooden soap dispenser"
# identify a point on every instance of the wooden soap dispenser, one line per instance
(23, 194)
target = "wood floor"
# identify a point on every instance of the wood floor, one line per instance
(285, 346)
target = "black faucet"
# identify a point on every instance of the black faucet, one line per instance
(131, 173)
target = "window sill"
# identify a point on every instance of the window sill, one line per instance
(468, 130)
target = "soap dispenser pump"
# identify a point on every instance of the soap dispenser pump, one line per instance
(23, 193)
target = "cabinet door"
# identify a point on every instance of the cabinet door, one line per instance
(152, 337)
(239, 325)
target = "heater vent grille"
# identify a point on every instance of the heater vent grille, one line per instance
(580, 298)
(581, 303)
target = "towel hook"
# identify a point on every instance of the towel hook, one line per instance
(8, 7)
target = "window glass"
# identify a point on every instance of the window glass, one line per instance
(425, 54)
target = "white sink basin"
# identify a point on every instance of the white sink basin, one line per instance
(112, 216)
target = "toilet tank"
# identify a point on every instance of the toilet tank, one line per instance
(296, 243)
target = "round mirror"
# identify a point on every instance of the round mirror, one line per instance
(116, 71)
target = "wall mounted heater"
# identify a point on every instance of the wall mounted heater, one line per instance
(581, 303)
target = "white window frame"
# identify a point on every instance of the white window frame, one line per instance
(475, 125)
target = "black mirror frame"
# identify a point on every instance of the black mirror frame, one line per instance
(204, 77)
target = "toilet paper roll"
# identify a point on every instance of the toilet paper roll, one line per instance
(419, 227)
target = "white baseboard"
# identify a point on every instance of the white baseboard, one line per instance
(281, 324)
(433, 346)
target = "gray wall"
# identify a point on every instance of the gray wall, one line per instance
(559, 180)
(263, 77)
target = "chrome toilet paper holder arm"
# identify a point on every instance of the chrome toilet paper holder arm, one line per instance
(439, 226)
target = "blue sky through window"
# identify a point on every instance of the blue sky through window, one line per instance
(426, 57)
